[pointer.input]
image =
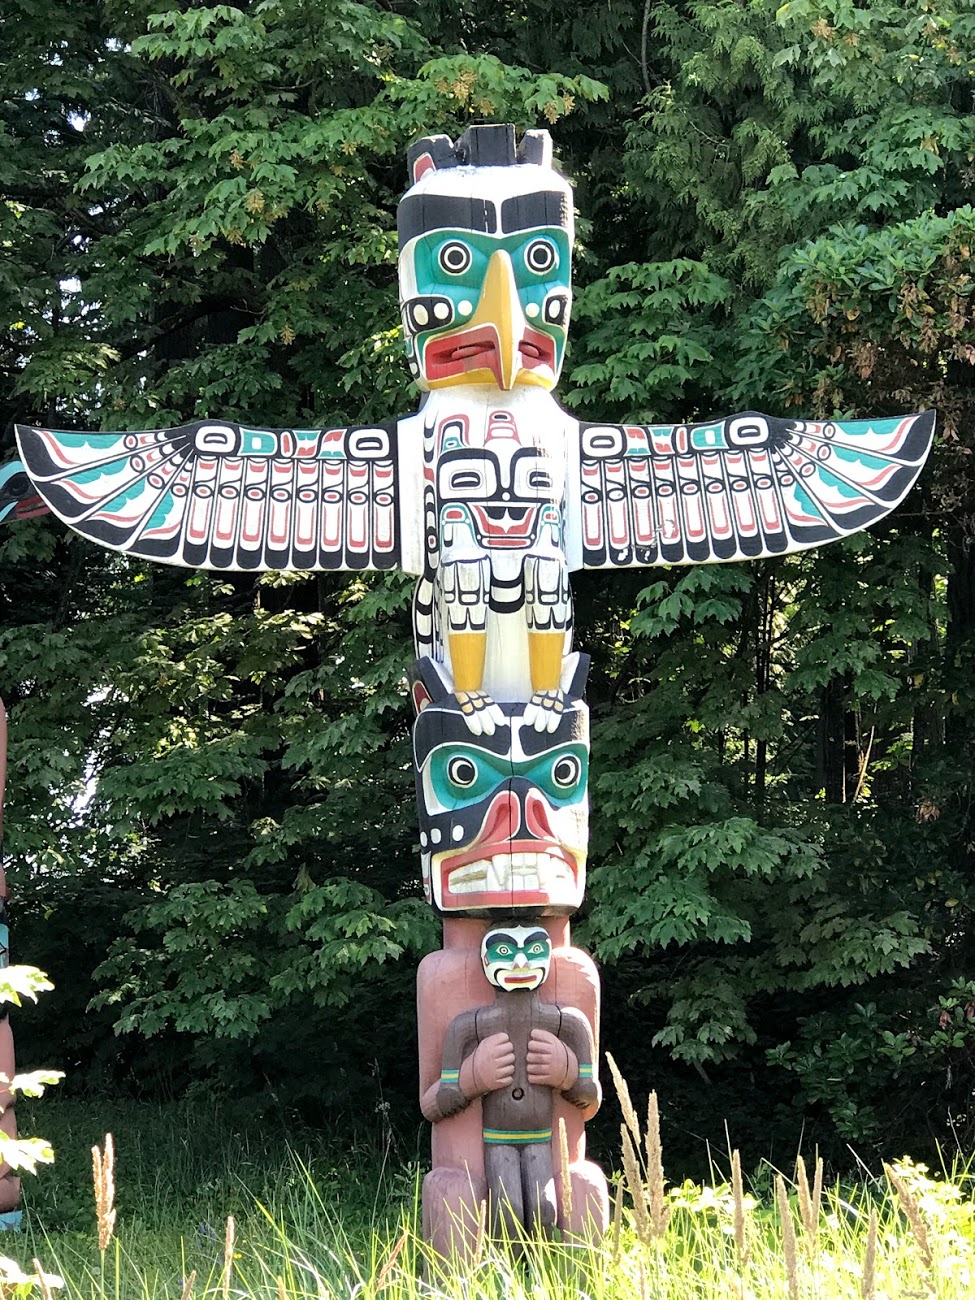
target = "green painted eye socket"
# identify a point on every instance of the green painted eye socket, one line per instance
(536, 950)
(541, 256)
(462, 775)
(503, 950)
(454, 257)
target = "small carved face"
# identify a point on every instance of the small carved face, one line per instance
(516, 957)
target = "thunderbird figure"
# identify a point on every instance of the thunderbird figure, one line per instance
(491, 493)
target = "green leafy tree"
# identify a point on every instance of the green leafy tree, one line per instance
(211, 778)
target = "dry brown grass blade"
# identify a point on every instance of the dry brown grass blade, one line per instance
(566, 1174)
(480, 1235)
(394, 1254)
(188, 1286)
(659, 1209)
(42, 1281)
(634, 1181)
(789, 1244)
(742, 1247)
(626, 1105)
(230, 1237)
(869, 1275)
(103, 1181)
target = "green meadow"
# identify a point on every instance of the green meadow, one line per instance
(212, 1206)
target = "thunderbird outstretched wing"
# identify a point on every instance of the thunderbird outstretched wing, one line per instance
(741, 488)
(216, 495)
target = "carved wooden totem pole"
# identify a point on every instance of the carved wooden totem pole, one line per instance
(9, 1182)
(492, 494)
(17, 501)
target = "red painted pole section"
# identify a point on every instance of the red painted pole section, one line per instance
(9, 1182)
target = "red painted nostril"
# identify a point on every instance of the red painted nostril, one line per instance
(536, 817)
(502, 820)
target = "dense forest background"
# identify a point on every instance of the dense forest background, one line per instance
(210, 828)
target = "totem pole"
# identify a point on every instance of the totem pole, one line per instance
(17, 501)
(492, 494)
(9, 1182)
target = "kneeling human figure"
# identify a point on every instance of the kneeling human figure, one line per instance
(512, 1054)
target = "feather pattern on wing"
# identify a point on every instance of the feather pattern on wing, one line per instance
(740, 488)
(216, 495)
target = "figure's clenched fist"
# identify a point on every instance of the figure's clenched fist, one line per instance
(493, 1063)
(550, 1061)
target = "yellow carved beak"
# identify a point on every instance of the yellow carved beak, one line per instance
(500, 306)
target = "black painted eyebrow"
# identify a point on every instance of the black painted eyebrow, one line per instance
(501, 936)
(438, 726)
(543, 208)
(419, 213)
(537, 934)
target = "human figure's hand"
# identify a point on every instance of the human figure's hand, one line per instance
(492, 1064)
(550, 1062)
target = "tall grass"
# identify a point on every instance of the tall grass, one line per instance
(309, 1227)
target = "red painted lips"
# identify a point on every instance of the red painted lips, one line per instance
(480, 349)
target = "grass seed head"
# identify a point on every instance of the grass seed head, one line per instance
(566, 1174)
(480, 1235)
(789, 1244)
(634, 1181)
(382, 1281)
(659, 1209)
(617, 1220)
(103, 1181)
(869, 1275)
(915, 1219)
(623, 1092)
(810, 1201)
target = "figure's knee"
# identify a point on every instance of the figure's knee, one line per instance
(502, 1170)
(541, 1205)
(506, 1217)
(452, 1212)
(589, 1209)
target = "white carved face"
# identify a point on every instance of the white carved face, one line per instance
(516, 957)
